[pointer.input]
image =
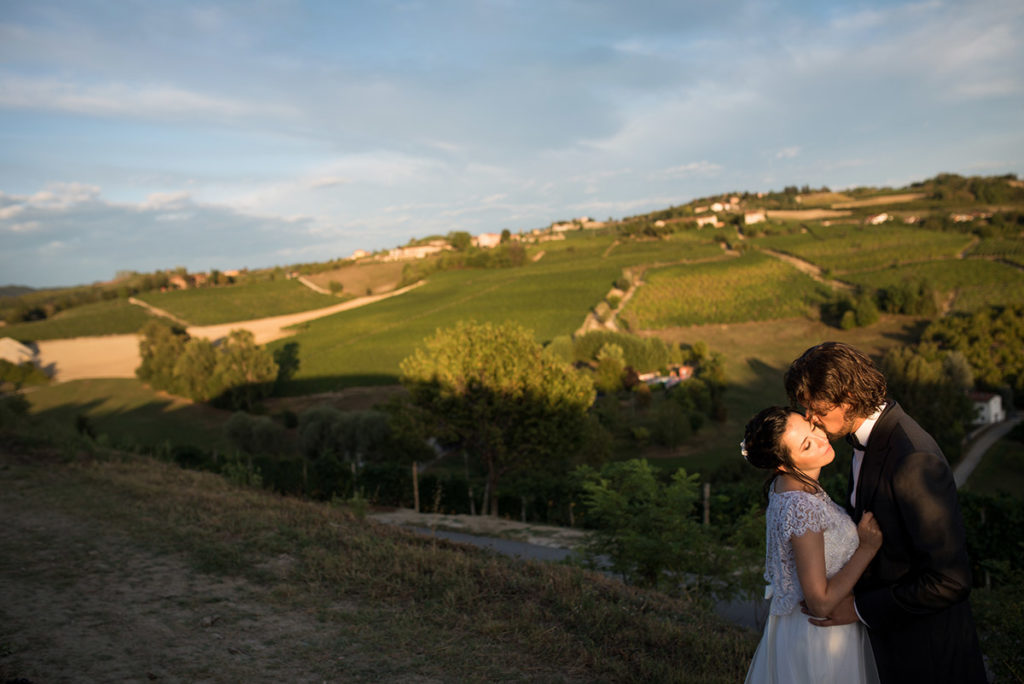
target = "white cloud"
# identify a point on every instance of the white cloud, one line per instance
(142, 100)
(788, 153)
(700, 168)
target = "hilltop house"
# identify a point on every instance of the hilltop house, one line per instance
(988, 407)
(487, 240)
(417, 251)
(754, 217)
(709, 220)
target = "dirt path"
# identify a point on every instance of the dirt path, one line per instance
(808, 268)
(117, 356)
(80, 603)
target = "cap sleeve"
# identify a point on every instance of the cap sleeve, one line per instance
(800, 513)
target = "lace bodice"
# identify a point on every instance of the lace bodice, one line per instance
(791, 514)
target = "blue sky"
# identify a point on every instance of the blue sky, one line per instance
(145, 135)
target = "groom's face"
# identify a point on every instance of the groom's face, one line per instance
(834, 420)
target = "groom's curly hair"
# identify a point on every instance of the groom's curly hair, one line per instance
(834, 373)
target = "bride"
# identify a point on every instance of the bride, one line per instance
(815, 554)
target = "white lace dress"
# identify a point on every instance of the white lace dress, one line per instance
(792, 650)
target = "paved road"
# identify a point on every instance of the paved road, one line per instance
(977, 447)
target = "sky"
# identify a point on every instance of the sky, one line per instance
(140, 135)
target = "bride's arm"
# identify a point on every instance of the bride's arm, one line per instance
(822, 595)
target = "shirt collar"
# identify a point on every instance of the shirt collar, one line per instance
(864, 431)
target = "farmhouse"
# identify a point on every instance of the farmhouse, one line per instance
(416, 252)
(876, 219)
(988, 407)
(487, 240)
(753, 217)
(709, 220)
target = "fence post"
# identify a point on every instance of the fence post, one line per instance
(707, 504)
(415, 488)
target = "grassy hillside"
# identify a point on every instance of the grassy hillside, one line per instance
(365, 346)
(254, 299)
(359, 601)
(750, 288)
(129, 413)
(112, 317)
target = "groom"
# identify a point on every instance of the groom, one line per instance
(913, 596)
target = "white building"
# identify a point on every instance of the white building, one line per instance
(754, 217)
(988, 407)
(487, 240)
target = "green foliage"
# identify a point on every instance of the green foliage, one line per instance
(643, 354)
(13, 409)
(235, 374)
(611, 365)
(992, 341)
(848, 312)
(911, 297)
(244, 373)
(160, 347)
(646, 527)
(496, 393)
(21, 374)
(460, 240)
(255, 434)
(970, 284)
(932, 386)
(287, 360)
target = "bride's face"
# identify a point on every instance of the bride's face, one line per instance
(807, 443)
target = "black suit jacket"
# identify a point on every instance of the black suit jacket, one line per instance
(913, 597)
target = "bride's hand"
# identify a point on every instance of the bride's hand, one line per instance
(869, 532)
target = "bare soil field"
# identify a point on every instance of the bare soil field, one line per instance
(885, 199)
(805, 214)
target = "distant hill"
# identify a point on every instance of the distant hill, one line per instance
(14, 290)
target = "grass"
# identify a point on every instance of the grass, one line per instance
(1001, 248)
(129, 413)
(112, 317)
(260, 299)
(417, 609)
(365, 346)
(752, 287)
(359, 279)
(976, 283)
(849, 249)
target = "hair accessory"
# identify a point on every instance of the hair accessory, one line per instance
(743, 450)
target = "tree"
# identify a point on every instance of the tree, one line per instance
(460, 240)
(287, 360)
(932, 386)
(646, 527)
(194, 370)
(159, 349)
(506, 235)
(244, 371)
(494, 391)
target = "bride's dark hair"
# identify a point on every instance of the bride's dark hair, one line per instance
(763, 448)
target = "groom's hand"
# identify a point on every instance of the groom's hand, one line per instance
(842, 614)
